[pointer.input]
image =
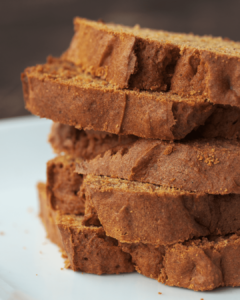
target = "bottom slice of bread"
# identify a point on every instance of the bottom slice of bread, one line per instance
(88, 248)
(199, 264)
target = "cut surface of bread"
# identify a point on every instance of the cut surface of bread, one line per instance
(62, 92)
(88, 248)
(134, 212)
(200, 265)
(158, 60)
(63, 185)
(205, 165)
(85, 144)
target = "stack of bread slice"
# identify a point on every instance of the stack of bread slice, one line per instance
(146, 131)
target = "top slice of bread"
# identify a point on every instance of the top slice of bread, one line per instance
(148, 59)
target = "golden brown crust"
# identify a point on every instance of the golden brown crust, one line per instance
(62, 92)
(134, 212)
(199, 265)
(204, 165)
(157, 60)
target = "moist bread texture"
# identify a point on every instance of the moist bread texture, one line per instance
(85, 144)
(61, 91)
(90, 250)
(202, 264)
(134, 212)
(199, 265)
(63, 185)
(158, 60)
(205, 165)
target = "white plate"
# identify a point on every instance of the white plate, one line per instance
(29, 264)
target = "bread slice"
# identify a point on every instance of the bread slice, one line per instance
(134, 212)
(84, 144)
(88, 248)
(205, 165)
(63, 186)
(62, 92)
(158, 60)
(129, 211)
(200, 265)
